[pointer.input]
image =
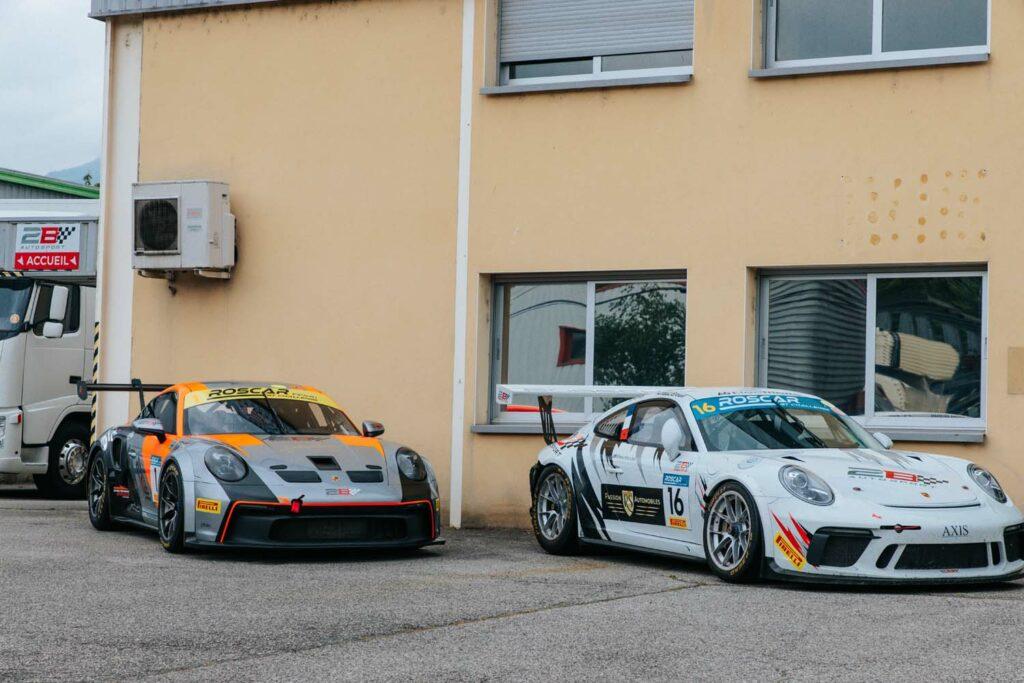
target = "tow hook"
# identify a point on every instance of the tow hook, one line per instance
(297, 504)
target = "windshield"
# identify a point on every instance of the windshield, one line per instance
(775, 421)
(279, 411)
(14, 296)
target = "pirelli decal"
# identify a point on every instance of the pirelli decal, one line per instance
(637, 504)
(207, 505)
(267, 391)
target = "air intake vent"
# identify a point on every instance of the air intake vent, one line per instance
(156, 226)
(324, 462)
(299, 476)
(365, 476)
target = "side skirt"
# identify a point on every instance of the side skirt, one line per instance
(639, 549)
(133, 522)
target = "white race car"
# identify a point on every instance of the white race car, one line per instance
(763, 483)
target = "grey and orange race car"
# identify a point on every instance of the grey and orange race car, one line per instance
(257, 465)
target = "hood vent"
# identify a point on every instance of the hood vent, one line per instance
(299, 476)
(324, 462)
(365, 476)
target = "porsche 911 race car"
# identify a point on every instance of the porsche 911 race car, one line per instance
(252, 465)
(766, 483)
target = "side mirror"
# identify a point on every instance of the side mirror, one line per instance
(883, 439)
(52, 330)
(58, 303)
(671, 437)
(150, 426)
(371, 428)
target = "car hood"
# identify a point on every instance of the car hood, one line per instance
(330, 456)
(890, 478)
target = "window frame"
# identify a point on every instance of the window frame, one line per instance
(595, 74)
(495, 416)
(72, 315)
(669, 405)
(172, 396)
(908, 428)
(877, 56)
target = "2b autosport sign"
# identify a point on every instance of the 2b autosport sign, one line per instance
(48, 246)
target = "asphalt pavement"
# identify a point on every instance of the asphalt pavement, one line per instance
(77, 604)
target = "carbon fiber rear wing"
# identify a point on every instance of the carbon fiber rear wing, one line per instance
(545, 393)
(85, 388)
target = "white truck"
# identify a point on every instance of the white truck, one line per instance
(47, 310)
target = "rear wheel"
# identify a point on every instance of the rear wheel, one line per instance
(98, 494)
(554, 513)
(732, 535)
(171, 510)
(69, 455)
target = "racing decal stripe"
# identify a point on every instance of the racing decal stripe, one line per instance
(786, 531)
(585, 494)
(802, 531)
(237, 441)
(361, 442)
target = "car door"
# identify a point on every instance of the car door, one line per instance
(631, 495)
(667, 456)
(146, 453)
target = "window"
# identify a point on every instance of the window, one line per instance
(164, 408)
(649, 420)
(578, 40)
(896, 350)
(611, 426)
(586, 332)
(72, 316)
(822, 32)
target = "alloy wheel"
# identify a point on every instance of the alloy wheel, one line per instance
(552, 506)
(729, 530)
(97, 486)
(169, 509)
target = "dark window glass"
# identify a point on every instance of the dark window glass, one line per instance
(647, 60)
(534, 347)
(14, 298)
(266, 416)
(72, 316)
(563, 67)
(928, 346)
(814, 29)
(649, 421)
(611, 426)
(165, 409)
(816, 339)
(639, 336)
(931, 24)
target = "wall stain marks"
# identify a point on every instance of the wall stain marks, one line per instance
(953, 210)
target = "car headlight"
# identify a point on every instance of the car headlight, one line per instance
(806, 486)
(225, 464)
(985, 480)
(410, 464)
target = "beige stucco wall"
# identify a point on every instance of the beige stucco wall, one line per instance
(336, 126)
(728, 174)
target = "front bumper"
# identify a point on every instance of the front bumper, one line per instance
(876, 545)
(259, 524)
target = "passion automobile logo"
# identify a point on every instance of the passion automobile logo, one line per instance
(628, 504)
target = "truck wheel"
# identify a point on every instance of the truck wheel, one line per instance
(69, 456)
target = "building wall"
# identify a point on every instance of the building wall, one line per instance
(336, 125)
(729, 174)
(16, 191)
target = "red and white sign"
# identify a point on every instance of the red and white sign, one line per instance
(48, 246)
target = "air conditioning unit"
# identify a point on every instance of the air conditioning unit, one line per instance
(183, 225)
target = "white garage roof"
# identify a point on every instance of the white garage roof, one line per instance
(102, 9)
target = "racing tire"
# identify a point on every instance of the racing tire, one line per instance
(733, 539)
(66, 469)
(553, 513)
(170, 520)
(98, 494)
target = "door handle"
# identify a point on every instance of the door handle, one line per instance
(613, 470)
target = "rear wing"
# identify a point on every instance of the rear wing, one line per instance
(504, 394)
(84, 388)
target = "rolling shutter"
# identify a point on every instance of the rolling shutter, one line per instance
(556, 29)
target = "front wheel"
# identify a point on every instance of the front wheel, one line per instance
(171, 510)
(554, 513)
(733, 542)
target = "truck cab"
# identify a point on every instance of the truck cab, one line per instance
(47, 329)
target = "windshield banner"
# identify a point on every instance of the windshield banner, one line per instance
(196, 398)
(717, 405)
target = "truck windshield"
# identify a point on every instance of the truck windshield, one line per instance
(271, 416)
(14, 296)
(770, 422)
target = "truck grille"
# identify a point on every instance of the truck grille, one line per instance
(944, 556)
